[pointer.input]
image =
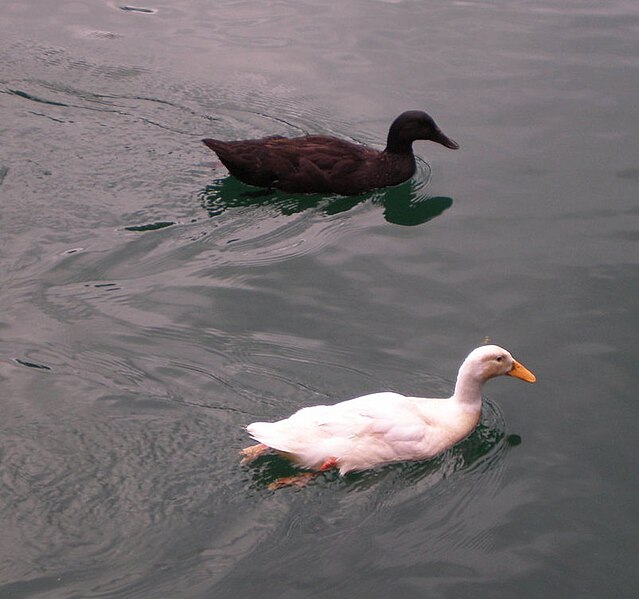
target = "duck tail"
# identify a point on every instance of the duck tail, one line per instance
(213, 144)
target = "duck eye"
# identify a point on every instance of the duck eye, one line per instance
(500, 358)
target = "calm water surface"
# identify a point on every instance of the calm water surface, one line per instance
(149, 309)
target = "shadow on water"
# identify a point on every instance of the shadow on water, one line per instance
(403, 209)
(405, 204)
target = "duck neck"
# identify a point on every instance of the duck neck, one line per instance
(468, 389)
(398, 146)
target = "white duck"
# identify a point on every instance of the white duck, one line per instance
(383, 427)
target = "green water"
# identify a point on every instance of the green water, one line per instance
(149, 309)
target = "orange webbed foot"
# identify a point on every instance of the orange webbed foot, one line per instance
(252, 452)
(302, 479)
(298, 480)
(328, 464)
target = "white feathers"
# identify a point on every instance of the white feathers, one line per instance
(386, 427)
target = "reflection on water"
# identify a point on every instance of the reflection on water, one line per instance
(150, 226)
(403, 210)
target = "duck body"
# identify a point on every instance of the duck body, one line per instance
(385, 427)
(364, 432)
(325, 164)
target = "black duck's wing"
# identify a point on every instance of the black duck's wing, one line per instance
(318, 163)
(251, 161)
(330, 154)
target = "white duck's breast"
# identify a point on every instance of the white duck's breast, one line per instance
(422, 429)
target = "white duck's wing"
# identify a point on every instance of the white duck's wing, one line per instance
(359, 433)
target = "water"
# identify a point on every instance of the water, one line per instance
(149, 309)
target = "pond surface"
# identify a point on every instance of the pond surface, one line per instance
(149, 308)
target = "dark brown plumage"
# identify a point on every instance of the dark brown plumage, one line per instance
(324, 164)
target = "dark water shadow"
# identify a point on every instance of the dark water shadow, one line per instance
(405, 204)
(404, 209)
(154, 226)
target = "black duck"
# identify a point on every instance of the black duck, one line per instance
(325, 164)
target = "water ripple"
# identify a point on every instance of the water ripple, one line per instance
(90, 492)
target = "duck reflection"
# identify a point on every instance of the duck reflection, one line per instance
(406, 204)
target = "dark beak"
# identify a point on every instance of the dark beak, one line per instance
(440, 138)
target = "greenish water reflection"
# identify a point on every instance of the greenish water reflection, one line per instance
(404, 204)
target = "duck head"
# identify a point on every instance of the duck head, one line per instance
(490, 361)
(412, 125)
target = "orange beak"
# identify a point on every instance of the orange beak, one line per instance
(521, 372)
